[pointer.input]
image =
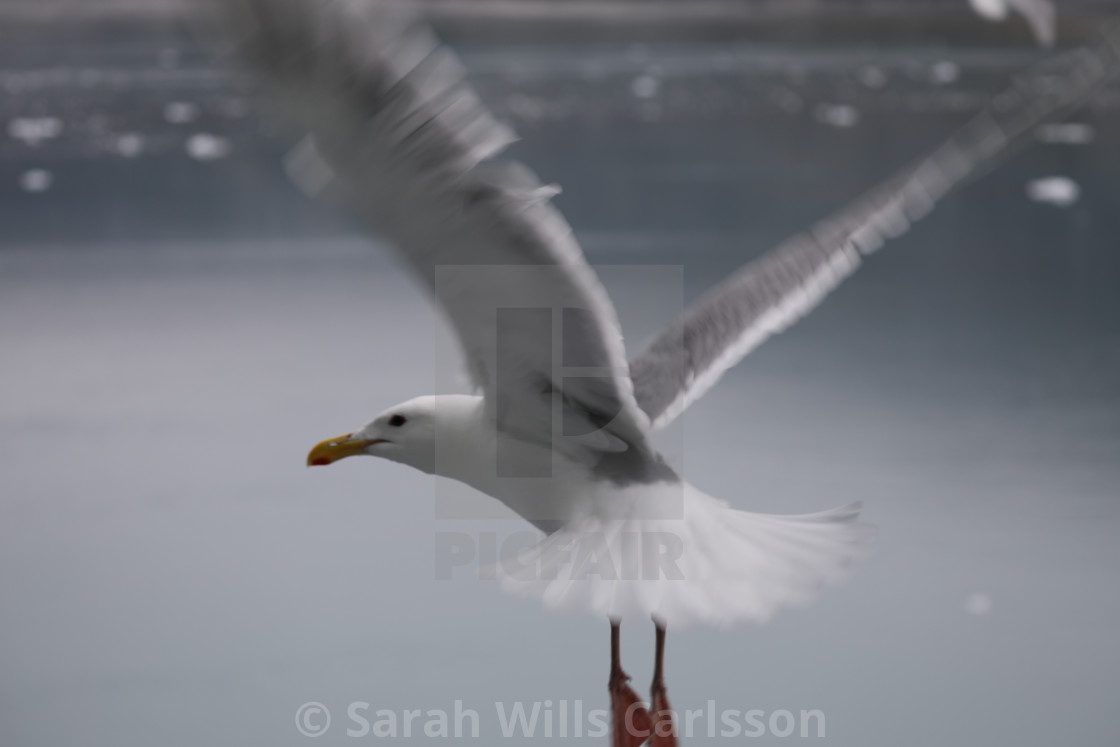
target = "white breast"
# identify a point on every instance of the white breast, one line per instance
(542, 486)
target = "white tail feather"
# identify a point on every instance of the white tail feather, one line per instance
(715, 564)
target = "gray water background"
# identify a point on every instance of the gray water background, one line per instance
(177, 333)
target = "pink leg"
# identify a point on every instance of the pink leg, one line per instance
(664, 731)
(630, 724)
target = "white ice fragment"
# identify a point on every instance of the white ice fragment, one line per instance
(837, 115)
(206, 147)
(1066, 133)
(978, 604)
(1059, 191)
(36, 180)
(993, 10)
(180, 112)
(130, 145)
(34, 130)
(944, 72)
(645, 86)
(872, 77)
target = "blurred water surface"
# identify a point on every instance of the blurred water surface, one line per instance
(179, 324)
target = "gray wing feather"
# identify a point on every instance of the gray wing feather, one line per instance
(769, 294)
(412, 150)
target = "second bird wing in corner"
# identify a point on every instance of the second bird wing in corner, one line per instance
(774, 291)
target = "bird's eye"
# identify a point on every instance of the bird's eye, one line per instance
(397, 421)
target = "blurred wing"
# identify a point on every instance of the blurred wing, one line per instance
(773, 292)
(410, 146)
(1041, 16)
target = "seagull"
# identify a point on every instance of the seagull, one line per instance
(561, 427)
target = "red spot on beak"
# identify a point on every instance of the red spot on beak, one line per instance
(321, 462)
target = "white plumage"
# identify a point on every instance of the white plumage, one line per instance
(714, 564)
(562, 430)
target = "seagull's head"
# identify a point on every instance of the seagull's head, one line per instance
(405, 433)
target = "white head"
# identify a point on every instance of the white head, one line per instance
(405, 433)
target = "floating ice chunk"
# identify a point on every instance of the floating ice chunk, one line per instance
(1066, 133)
(872, 77)
(993, 10)
(36, 180)
(1059, 191)
(978, 604)
(838, 115)
(130, 145)
(34, 130)
(645, 86)
(180, 112)
(945, 72)
(206, 147)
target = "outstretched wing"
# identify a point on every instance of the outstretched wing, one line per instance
(412, 150)
(773, 292)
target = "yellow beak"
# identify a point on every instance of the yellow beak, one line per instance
(333, 449)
